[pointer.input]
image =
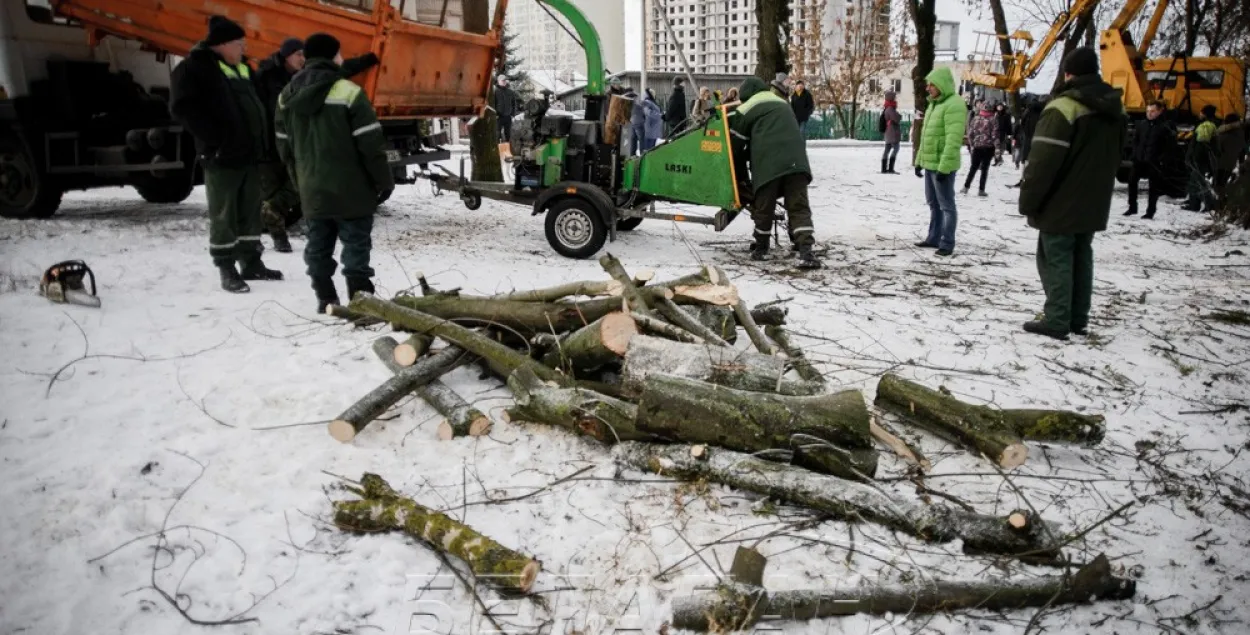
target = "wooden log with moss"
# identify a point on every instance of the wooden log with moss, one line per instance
(501, 359)
(841, 498)
(381, 508)
(584, 412)
(656, 326)
(720, 365)
(588, 288)
(1095, 581)
(819, 455)
(996, 433)
(460, 419)
(601, 342)
(689, 411)
(800, 362)
(736, 604)
(347, 425)
(356, 319)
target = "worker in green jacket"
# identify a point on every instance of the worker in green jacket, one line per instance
(330, 138)
(778, 165)
(1067, 186)
(1201, 160)
(939, 156)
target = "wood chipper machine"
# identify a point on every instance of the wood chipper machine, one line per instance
(570, 170)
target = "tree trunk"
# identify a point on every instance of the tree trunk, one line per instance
(761, 342)
(691, 411)
(501, 359)
(924, 16)
(551, 294)
(771, 16)
(581, 411)
(637, 301)
(383, 509)
(719, 365)
(736, 604)
(602, 342)
(1004, 47)
(484, 133)
(842, 499)
(818, 455)
(1073, 42)
(344, 313)
(803, 367)
(380, 399)
(1094, 581)
(769, 314)
(997, 433)
(460, 419)
(656, 326)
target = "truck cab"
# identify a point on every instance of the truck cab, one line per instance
(79, 113)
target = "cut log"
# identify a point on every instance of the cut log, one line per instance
(643, 276)
(800, 362)
(720, 319)
(748, 324)
(637, 301)
(769, 314)
(381, 508)
(358, 320)
(688, 411)
(1094, 581)
(581, 411)
(737, 603)
(818, 455)
(660, 327)
(501, 359)
(414, 347)
(951, 419)
(898, 446)
(679, 317)
(460, 419)
(590, 288)
(843, 499)
(715, 364)
(380, 399)
(601, 342)
(713, 294)
(426, 289)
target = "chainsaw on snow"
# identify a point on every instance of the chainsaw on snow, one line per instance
(63, 282)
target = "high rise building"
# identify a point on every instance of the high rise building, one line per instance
(720, 36)
(548, 48)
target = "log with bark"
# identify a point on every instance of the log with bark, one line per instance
(414, 347)
(380, 399)
(656, 326)
(681, 318)
(689, 411)
(819, 455)
(770, 313)
(381, 508)
(998, 434)
(590, 288)
(358, 320)
(637, 302)
(842, 499)
(800, 362)
(901, 448)
(460, 419)
(720, 365)
(737, 603)
(501, 359)
(712, 612)
(601, 342)
(584, 412)
(719, 319)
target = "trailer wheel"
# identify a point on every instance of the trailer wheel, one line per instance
(575, 228)
(628, 224)
(23, 191)
(174, 188)
(472, 201)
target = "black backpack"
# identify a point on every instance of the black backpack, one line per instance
(882, 124)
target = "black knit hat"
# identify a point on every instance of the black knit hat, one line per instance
(290, 46)
(1083, 61)
(321, 45)
(222, 29)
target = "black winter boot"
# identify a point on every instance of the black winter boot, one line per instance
(807, 260)
(893, 159)
(326, 293)
(759, 250)
(254, 269)
(231, 281)
(281, 242)
(356, 285)
(883, 168)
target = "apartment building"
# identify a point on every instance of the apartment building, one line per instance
(542, 44)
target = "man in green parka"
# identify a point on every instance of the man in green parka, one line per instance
(330, 139)
(1067, 186)
(945, 119)
(779, 168)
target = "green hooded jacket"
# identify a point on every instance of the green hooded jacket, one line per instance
(332, 143)
(1075, 154)
(944, 121)
(767, 123)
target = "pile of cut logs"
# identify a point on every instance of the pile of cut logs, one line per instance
(653, 369)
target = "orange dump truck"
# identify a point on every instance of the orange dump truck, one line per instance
(84, 84)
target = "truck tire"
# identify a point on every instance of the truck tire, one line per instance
(174, 188)
(24, 193)
(575, 227)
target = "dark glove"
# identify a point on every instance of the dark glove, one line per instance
(369, 60)
(384, 195)
(941, 177)
(919, 172)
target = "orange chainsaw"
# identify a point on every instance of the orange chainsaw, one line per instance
(63, 282)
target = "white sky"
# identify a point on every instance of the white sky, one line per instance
(949, 10)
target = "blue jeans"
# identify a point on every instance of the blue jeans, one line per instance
(942, 214)
(636, 138)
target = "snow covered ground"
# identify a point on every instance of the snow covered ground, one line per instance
(177, 405)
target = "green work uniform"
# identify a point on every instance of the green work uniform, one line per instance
(234, 189)
(281, 200)
(778, 160)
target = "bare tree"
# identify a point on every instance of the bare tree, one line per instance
(923, 14)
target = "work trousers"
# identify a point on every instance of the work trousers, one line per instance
(280, 207)
(1065, 263)
(356, 236)
(981, 158)
(793, 189)
(234, 224)
(505, 129)
(1154, 188)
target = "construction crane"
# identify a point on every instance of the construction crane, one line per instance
(1008, 73)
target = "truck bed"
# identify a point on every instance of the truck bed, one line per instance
(425, 71)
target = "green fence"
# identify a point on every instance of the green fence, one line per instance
(826, 124)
